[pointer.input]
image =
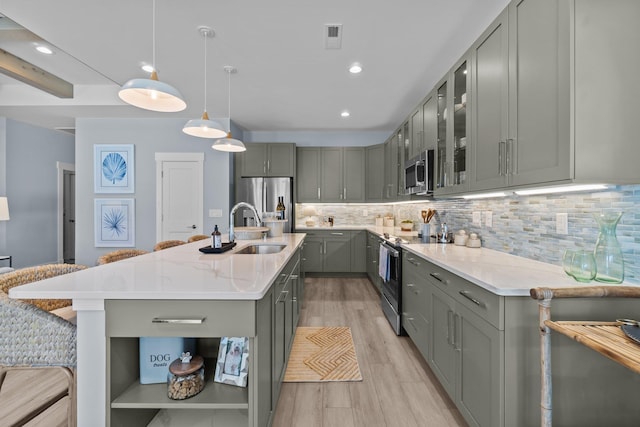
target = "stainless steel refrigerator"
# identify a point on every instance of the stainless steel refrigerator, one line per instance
(263, 193)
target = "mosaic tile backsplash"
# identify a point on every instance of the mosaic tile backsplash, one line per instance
(521, 225)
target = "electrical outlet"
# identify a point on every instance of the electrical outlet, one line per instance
(488, 218)
(562, 223)
(365, 212)
(215, 213)
(476, 218)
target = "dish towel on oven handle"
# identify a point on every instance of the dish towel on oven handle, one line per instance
(383, 263)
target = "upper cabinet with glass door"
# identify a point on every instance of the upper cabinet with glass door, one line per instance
(452, 131)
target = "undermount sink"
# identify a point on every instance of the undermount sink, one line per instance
(261, 249)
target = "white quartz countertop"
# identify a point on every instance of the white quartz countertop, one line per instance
(497, 272)
(181, 272)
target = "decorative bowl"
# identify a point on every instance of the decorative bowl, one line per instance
(249, 233)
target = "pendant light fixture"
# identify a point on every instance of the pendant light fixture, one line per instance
(204, 128)
(152, 94)
(229, 144)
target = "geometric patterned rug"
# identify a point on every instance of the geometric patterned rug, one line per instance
(322, 354)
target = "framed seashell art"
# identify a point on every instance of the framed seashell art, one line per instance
(113, 168)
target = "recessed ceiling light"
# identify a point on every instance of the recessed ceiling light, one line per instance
(44, 49)
(355, 68)
(345, 114)
(148, 68)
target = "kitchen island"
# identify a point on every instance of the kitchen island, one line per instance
(184, 293)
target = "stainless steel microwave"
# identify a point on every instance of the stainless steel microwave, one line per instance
(418, 174)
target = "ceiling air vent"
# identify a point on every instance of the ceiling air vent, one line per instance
(333, 36)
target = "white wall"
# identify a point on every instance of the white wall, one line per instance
(30, 172)
(149, 136)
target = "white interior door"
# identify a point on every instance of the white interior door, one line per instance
(180, 195)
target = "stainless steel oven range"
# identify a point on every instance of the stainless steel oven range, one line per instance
(391, 272)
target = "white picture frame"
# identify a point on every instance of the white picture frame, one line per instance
(114, 223)
(113, 168)
(232, 365)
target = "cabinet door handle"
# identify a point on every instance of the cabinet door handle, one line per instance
(268, 165)
(178, 321)
(472, 299)
(413, 261)
(513, 156)
(410, 285)
(437, 277)
(264, 166)
(345, 193)
(318, 193)
(500, 158)
(456, 332)
(325, 247)
(508, 146)
(282, 297)
(293, 276)
(449, 322)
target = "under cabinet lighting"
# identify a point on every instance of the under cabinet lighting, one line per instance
(484, 195)
(561, 189)
(345, 114)
(44, 49)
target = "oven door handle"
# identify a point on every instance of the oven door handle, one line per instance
(392, 252)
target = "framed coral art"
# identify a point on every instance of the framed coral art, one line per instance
(114, 223)
(113, 167)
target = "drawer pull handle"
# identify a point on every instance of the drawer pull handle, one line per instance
(413, 261)
(437, 277)
(337, 234)
(282, 297)
(472, 299)
(191, 321)
(410, 285)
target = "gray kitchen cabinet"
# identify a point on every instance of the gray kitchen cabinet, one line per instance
(373, 258)
(272, 319)
(401, 144)
(337, 252)
(308, 174)
(268, 159)
(284, 322)
(416, 143)
(452, 124)
(416, 303)
(353, 174)
(521, 103)
(374, 155)
(484, 349)
(334, 251)
(330, 174)
(331, 188)
(358, 251)
(537, 119)
(443, 352)
(391, 168)
(467, 358)
(312, 253)
(490, 66)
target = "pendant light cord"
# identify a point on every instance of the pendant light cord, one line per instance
(206, 36)
(229, 97)
(153, 34)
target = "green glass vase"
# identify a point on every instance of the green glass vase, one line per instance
(608, 254)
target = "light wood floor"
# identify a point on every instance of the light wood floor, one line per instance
(398, 388)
